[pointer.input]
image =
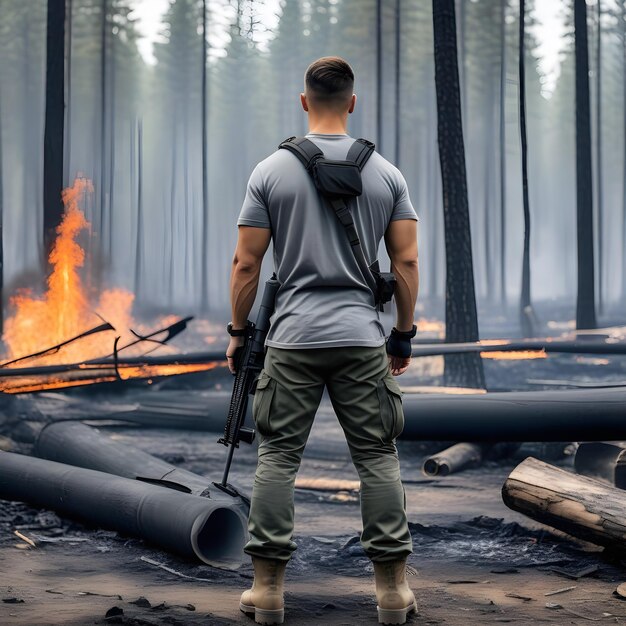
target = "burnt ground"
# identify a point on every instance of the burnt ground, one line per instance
(474, 560)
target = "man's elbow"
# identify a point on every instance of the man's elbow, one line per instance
(406, 263)
(246, 264)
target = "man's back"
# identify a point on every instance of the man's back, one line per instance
(325, 316)
(324, 300)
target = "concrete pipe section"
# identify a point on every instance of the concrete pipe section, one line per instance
(77, 444)
(571, 414)
(190, 526)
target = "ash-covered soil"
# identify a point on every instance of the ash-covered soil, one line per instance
(474, 560)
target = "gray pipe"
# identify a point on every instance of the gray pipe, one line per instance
(453, 459)
(187, 525)
(203, 411)
(83, 446)
(553, 415)
(602, 459)
(571, 414)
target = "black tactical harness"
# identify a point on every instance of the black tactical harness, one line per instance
(338, 182)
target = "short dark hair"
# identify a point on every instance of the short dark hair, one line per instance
(329, 81)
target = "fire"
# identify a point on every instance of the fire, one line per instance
(515, 356)
(68, 309)
(65, 309)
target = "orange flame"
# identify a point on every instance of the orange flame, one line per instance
(64, 310)
(516, 355)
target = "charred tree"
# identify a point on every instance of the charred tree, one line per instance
(204, 297)
(585, 301)
(103, 99)
(463, 55)
(68, 94)
(379, 75)
(503, 152)
(1, 239)
(488, 151)
(398, 112)
(599, 195)
(624, 164)
(54, 122)
(111, 169)
(526, 312)
(461, 316)
(139, 201)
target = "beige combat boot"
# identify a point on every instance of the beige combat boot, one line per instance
(265, 598)
(395, 599)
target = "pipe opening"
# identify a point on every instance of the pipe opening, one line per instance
(433, 467)
(218, 538)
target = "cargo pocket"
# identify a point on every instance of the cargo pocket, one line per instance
(391, 412)
(262, 403)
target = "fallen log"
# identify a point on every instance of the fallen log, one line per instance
(187, 525)
(453, 459)
(80, 445)
(605, 460)
(201, 411)
(418, 349)
(197, 358)
(503, 345)
(327, 484)
(580, 506)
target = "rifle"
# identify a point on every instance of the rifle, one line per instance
(248, 363)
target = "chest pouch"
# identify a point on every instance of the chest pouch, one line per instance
(337, 178)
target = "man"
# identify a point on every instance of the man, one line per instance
(326, 333)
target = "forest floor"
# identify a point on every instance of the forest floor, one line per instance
(474, 561)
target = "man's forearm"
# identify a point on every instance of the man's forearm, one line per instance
(244, 282)
(407, 285)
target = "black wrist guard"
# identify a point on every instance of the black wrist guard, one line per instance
(399, 343)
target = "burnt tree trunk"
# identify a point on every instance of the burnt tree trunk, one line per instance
(503, 152)
(103, 138)
(379, 75)
(526, 316)
(111, 133)
(139, 201)
(488, 198)
(398, 111)
(1, 239)
(204, 254)
(585, 301)
(68, 95)
(54, 122)
(623, 294)
(463, 49)
(599, 196)
(461, 316)
(580, 506)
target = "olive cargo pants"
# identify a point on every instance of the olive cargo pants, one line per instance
(368, 404)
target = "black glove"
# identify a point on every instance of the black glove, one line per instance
(399, 343)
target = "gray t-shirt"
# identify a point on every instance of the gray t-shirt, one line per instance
(324, 300)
